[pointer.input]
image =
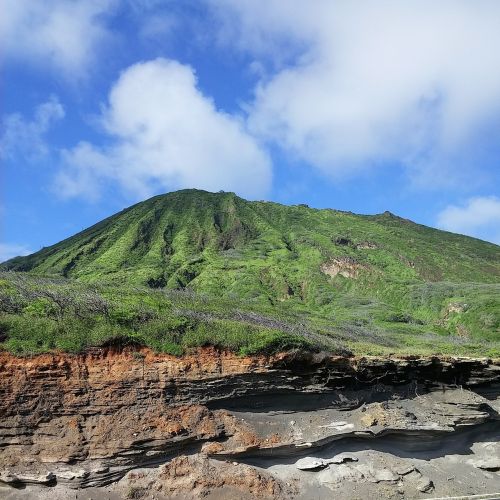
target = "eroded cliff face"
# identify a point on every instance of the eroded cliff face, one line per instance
(88, 420)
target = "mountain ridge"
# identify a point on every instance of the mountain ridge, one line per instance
(224, 204)
(385, 214)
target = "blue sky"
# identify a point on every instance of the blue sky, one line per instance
(356, 105)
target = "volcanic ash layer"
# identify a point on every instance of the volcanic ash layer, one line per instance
(127, 423)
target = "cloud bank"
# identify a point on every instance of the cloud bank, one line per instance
(64, 34)
(165, 134)
(343, 86)
(478, 217)
(361, 83)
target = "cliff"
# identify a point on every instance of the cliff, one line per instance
(86, 420)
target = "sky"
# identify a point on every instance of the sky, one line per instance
(355, 105)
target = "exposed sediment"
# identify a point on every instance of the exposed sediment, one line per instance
(86, 421)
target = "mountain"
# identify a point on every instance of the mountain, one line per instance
(218, 242)
(377, 271)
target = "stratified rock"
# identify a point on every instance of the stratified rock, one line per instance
(109, 411)
(100, 469)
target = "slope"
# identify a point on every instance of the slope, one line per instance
(350, 271)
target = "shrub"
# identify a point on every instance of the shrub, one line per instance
(241, 337)
(42, 308)
(104, 333)
(29, 335)
(165, 334)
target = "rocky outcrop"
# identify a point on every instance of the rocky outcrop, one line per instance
(86, 420)
(177, 476)
(345, 266)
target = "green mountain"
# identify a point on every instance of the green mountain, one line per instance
(378, 272)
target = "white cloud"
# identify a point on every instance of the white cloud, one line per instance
(26, 138)
(10, 250)
(65, 34)
(373, 80)
(478, 217)
(166, 134)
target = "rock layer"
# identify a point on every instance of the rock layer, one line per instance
(86, 420)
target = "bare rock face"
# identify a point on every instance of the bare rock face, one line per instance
(345, 266)
(202, 420)
(108, 408)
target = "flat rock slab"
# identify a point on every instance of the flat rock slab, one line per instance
(334, 476)
(342, 458)
(376, 475)
(8, 477)
(403, 470)
(312, 463)
(490, 464)
(424, 484)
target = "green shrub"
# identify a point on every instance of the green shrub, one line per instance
(42, 308)
(104, 333)
(222, 333)
(29, 335)
(241, 337)
(123, 315)
(165, 334)
(40, 314)
(271, 341)
(171, 348)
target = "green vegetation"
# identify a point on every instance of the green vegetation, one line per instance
(43, 314)
(194, 268)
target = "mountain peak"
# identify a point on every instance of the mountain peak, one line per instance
(219, 241)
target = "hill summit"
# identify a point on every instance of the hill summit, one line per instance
(219, 242)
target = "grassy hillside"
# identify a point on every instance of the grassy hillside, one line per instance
(39, 314)
(369, 283)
